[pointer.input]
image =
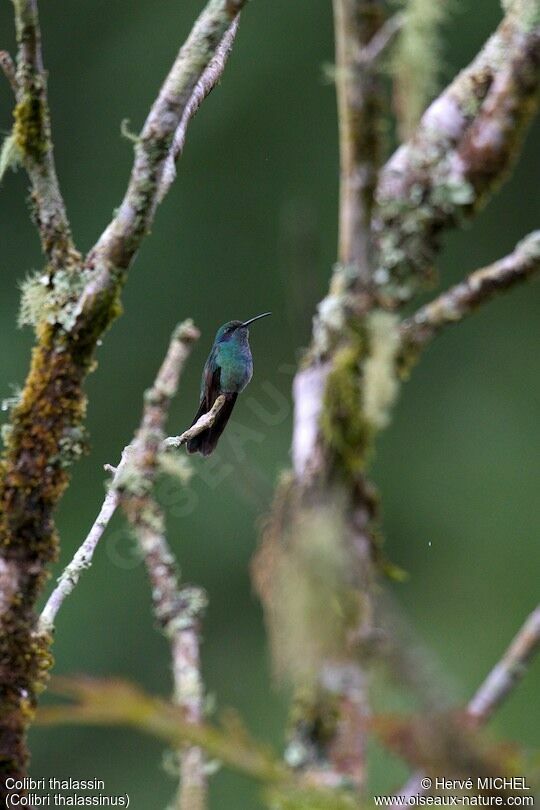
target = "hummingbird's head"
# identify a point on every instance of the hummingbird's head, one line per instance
(235, 330)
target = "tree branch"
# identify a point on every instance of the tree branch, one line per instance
(115, 702)
(8, 68)
(381, 41)
(480, 287)
(320, 527)
(181, 342)
(509, 671)
(120, 241)
(32, 131)
(110, 702)
(204, 422)
(80, 562)
(358, 89)
(80, 303)
(177, 610)
(500, 682)
(203, 88)
(465, 144)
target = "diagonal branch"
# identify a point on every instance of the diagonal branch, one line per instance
(32, 131)
(508, 672)
(202, 89)
(480, 287)
(463, 148)
(80, 562)
(499, 684)
(204, 422)
(121, 239)
(179, 350)
(116, 702)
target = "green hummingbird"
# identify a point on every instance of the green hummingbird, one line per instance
(227, 371)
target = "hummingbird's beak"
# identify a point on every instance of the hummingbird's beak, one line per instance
(256, 318)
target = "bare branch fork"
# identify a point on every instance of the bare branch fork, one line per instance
(83, 557)
(52, 402)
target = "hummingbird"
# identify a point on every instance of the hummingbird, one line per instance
(227, 371)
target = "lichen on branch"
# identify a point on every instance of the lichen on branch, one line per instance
(462, 150)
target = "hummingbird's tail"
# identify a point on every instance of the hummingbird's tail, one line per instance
(206, 441)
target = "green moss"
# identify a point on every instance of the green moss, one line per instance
(30, 128)
(344, 427)
(313, 722)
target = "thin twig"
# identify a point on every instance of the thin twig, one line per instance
(382, 40)
(8, 67)
(480, 287)
(120, 241)
(498, 685)
(203, 88)
(81, 560)
(506, 675)
(204, 422)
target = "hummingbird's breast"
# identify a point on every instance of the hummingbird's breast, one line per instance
(236, 366)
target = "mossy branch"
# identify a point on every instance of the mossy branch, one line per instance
(115, 702)
(71, 305)
(331, 442)
(359, 93)
(464, 298)
(32, 132)
(462, 150)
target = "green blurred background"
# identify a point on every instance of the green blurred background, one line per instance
(251, 225)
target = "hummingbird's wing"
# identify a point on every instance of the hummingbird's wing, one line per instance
(210, 385)
(206, 441)
(211, 382)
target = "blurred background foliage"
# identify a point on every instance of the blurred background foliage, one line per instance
(251, 225)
